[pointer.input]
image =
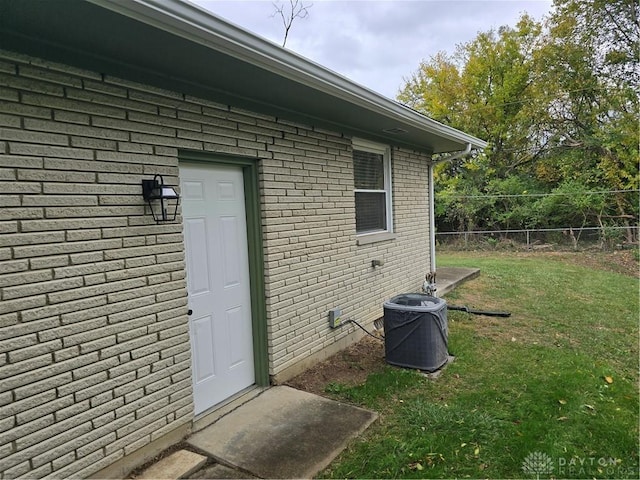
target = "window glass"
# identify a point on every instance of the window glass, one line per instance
(368, 170)
(371, 212)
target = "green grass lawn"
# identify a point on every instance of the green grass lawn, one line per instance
(555, 385)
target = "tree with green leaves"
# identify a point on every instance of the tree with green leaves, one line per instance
(557, 101)
(484, 89)
(590, 57)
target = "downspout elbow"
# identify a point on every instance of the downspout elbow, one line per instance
(454, 156)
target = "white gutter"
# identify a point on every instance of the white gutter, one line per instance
(432, 213)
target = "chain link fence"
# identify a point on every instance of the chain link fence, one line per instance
(576, 238)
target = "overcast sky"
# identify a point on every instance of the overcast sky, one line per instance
(377, 43)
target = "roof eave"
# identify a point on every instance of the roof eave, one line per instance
(198, 25)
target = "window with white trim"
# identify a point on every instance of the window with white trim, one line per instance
(372, 181)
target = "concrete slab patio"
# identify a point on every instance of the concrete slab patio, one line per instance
(282, 433)
(448, 278)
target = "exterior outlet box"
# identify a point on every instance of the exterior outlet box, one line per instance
(335, 318)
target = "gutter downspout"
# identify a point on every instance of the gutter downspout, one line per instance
(432, 214)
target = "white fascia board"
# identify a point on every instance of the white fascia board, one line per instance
(193, 23)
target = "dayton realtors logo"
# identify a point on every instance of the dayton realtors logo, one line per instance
(539, 464)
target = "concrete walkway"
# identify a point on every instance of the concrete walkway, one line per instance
(281, 433)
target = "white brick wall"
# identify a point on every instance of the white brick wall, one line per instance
(94, 344)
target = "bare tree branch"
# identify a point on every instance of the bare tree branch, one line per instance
(297, 9)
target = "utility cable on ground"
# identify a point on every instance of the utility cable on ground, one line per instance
(381, 337)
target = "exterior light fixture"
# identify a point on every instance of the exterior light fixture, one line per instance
(154, 190)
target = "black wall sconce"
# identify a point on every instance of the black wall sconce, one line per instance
(153, 190)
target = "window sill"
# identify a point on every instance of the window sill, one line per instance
(375, 238)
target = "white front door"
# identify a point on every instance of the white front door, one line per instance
(215, 232)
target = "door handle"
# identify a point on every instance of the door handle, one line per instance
(189, 312)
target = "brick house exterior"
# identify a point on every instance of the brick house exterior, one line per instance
(95, 353)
